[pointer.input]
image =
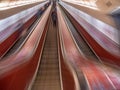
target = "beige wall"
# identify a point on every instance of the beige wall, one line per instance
(107, 5)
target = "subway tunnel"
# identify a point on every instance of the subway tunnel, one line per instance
(59, 45)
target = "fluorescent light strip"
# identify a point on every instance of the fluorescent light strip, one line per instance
(15, 4)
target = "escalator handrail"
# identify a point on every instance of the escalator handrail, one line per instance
(69, 65)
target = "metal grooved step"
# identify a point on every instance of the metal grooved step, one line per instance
(48, 77)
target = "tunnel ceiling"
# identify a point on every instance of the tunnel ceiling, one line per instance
(16, 0)
(8, 3)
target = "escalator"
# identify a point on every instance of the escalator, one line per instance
(83, 46)
(109, 70)
(24, 36)
(48, 76)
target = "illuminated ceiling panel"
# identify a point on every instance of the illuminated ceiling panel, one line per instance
(6, 4)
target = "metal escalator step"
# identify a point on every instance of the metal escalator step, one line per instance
(48, 77)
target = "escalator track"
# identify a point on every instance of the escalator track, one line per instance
(109, 70)
(82, 44)
(48, 76)
(24, 36)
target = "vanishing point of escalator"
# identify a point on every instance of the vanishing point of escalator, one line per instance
(48, 76)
